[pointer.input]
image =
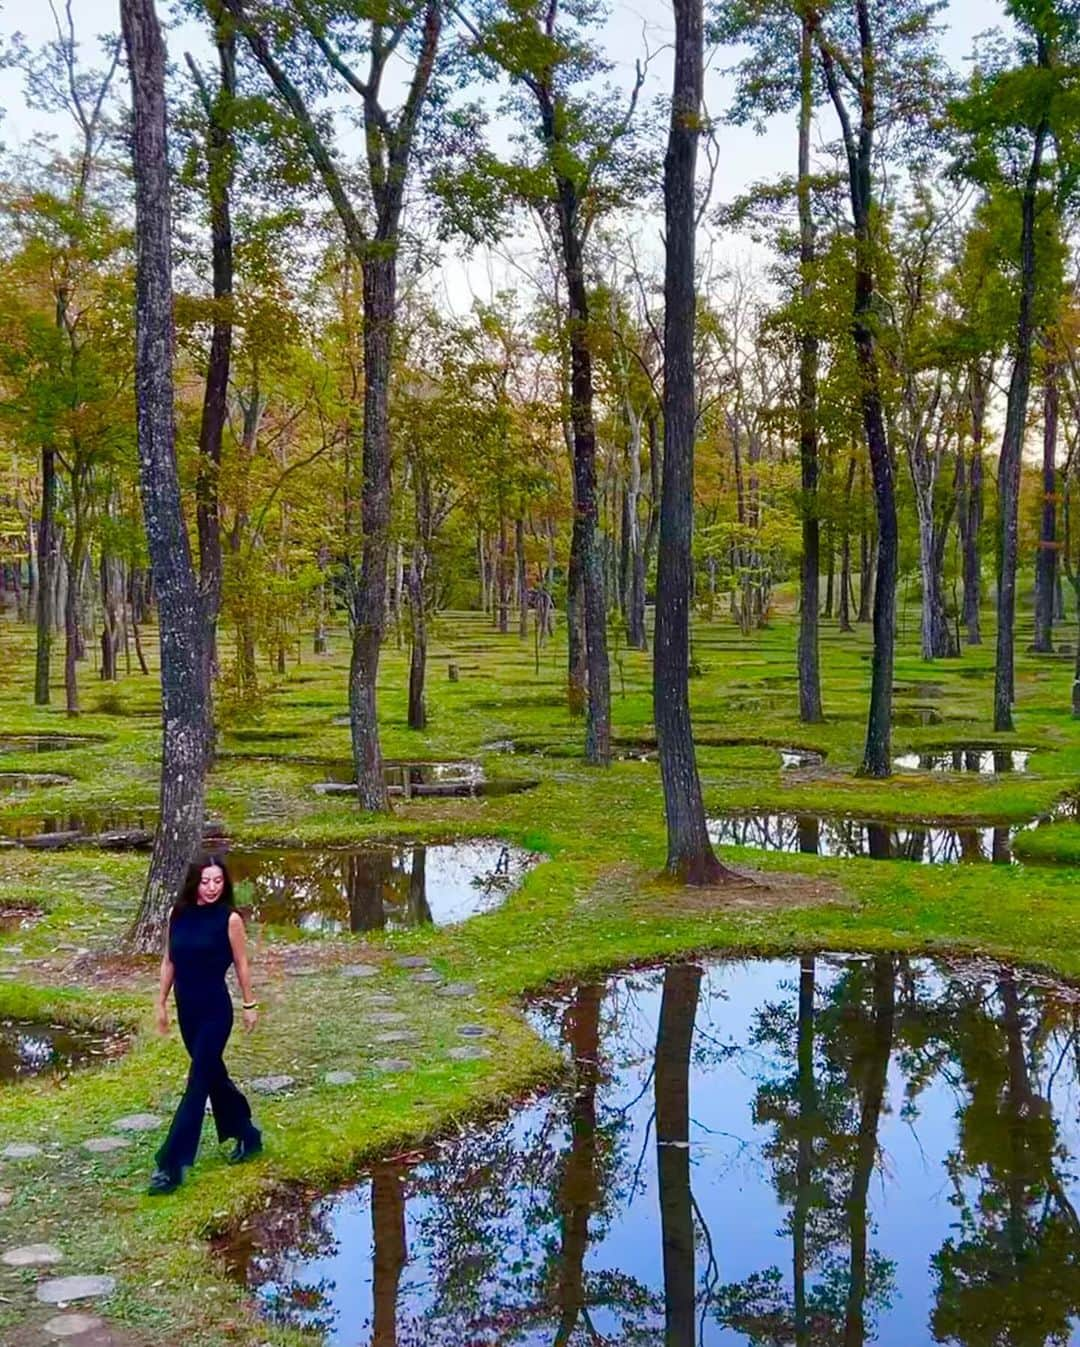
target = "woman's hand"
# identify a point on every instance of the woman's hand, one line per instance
(251, 1019)
(162, 1017)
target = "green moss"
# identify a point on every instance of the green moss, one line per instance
(595, 902)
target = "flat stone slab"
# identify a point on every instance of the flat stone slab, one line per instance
(138, 1122)
(20, 1150)
(458, 989)
(340, 1077)
(271, 1084)
(32, 1255)
(468, 1052)
(105, 1145)
(389, 1064)
(71, 1325)
(411, 961)
(6, 1196)
(396, 1036)
(429, 976)
(62, 1290)
(300, 971)
(359, 970)
(387, 1017)
(473, 1031)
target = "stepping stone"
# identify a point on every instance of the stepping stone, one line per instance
(339, 1077)
(429, 977)
(6, 1197)
(387, 1017)
(71, 1325)
(382, 999)
(32, 1255)
(473, 1031)
(468, 1052)
(359, 970)
(393, 1064)
(458, 989)
(105, 1145)
(20, 1150)
(411, 961)
(61, 1290)
(271, 1084)
(138, 1122)
(396, 1036)
(302, 972)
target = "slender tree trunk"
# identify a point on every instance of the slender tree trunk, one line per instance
(184, 749)
(674, 1039)
(859, 150)
(1012, 445)
(369, 618)
(689, 853)
(219, 177)
(1046, 559)
(845, 552)
(522, 578)
(47, 567)
(830, 570)
(71, 623)
(810, 705)
(503, 573)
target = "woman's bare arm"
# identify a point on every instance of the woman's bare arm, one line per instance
(238, 941)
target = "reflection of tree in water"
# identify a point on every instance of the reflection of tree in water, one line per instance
(824, 1113)
(821, 835)
(1011, 1274)
(508, 1229)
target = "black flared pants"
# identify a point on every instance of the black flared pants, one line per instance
(205, 1029)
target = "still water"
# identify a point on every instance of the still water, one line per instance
(816, 1151)
(378, 885)
(835, 835)
(35, 1048)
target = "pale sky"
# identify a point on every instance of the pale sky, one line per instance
(632, 27)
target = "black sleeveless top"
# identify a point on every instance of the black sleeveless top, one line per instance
(200, 950)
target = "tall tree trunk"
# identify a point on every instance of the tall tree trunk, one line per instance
(598, 692)
(810, 706)
(1046, 558)
(522, 577)
(969, 501)
(859, 151)
(845, 552)
(184, 748)
(674, 1039)
(47, 567)
(830, 570)
(1012, 444)
(503, 573)
(636, 636)
(71, 623)
(417, 601)
(369, 616)
(219, 178)
(689, 853)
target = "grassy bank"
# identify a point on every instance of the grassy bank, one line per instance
(594, 903)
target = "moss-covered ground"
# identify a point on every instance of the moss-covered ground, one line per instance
(595, 903)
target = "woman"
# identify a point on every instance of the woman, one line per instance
(206, 935)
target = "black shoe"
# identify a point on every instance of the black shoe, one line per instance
(163, 1181)
(246, 1149)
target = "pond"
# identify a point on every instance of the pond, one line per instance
(835, 835)
(825, 1150)
(378, 885)
(986, 759)
(35, 1048)
(47, 743)
(111, 829)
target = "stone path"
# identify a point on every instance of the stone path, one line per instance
(63, 1290)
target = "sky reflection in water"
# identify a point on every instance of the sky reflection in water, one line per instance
(826, 1151)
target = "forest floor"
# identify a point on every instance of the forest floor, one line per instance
(596, 902)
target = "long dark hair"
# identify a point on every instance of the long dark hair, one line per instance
(189, 890)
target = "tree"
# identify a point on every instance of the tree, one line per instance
(1019, 125)
(183, 669)
(876, 66)
(320, 42)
